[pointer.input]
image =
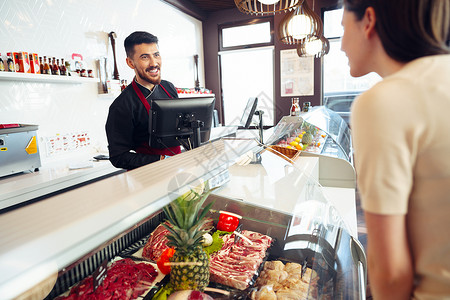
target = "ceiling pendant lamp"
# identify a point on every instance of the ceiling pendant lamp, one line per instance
(265, 7)
(299, 24)
(313, 46)
(269, 2)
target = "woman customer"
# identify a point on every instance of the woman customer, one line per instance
(401, 136)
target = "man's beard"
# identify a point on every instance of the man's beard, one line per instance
(144, 76)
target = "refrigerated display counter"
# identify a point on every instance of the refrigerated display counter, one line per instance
(331, 143)
(51, 245)
(338, 142)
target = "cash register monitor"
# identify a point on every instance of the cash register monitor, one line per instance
(183, 121)
(249, 112)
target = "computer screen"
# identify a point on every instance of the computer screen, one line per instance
(175, 122)
(249, 112)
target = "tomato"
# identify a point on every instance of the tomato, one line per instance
(165, 258)
(228, 222)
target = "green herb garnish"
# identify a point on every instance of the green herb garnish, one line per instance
(217, 242)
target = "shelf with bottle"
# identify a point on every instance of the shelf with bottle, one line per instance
(17, 76)
(23, 66)
(193, 92)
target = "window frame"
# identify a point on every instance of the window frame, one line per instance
(328, 8)
(322, 67)
(243, 23)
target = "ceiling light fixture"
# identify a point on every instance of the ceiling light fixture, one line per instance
(314, 46)
(269, 2)
(299, 24)
(265, 7)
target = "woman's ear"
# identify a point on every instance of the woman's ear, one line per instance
(130, 63)
(370, 21)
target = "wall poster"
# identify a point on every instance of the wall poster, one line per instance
(297, 74)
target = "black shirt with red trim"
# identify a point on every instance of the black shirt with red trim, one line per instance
(127, 125)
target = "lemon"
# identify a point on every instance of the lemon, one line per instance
(297, 139)
(294, 143)
(289, 147)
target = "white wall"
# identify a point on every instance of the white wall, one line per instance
(62, 27)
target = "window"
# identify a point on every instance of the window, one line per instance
(245, 74)
(339, 87)
(247, 56)
(246, 35)
(336, 71)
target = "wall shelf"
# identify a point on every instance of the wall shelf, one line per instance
(45, 78)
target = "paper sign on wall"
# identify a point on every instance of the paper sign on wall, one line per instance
(297, 74)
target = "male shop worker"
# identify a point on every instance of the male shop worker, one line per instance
(127, 123)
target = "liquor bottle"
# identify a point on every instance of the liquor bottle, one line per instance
(41, 65)
(295, 108)
(62, 68)
(2, 64)
(55, 68)
(47, 69)
(10, 64)
(306, 106)
(50, 63)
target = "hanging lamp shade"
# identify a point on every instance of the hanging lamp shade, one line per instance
(299, 24)
(313, 46)
(265, 7)
(269, 2)
(316, 44)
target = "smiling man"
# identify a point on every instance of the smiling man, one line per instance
(127, 123)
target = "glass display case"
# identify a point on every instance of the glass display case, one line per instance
(280, 199)
(338, 142)
(331, 135)
(55, 243)
(323, 133)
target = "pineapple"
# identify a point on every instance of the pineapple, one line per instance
(190, 263)
(310, 132)
(307, 138)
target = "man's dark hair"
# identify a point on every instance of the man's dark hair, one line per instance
(137, 38)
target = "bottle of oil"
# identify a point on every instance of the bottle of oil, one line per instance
(10, 64)
(2, 64)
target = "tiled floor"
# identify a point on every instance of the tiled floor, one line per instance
(362, 233)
